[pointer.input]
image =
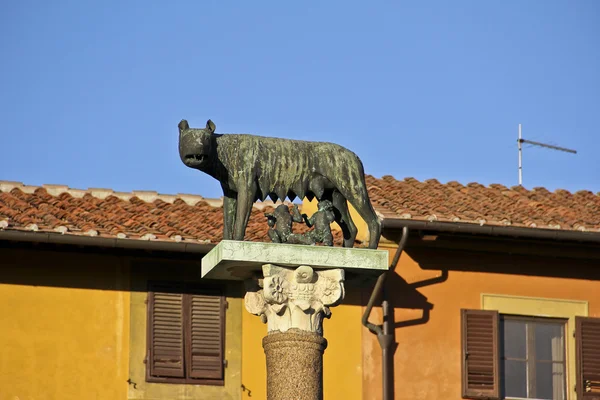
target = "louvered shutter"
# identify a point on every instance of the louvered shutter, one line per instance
(587, 339)
(165, 333)
(480, 358)
(206, 323)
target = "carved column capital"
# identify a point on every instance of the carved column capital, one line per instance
(297, 298)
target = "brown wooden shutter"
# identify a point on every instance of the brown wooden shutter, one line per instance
(480, 358)
(165, 333)
(206, 327)
(587, 340)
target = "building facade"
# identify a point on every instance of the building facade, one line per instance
(494, 296)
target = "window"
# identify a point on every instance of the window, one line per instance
(513, 357)
(533, 358)
(185, 342)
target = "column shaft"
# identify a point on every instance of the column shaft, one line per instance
(294, 365)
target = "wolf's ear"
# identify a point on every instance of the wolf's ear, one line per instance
(210, 126)
(183, 125)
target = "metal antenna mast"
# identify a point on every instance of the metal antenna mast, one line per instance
(520, 142)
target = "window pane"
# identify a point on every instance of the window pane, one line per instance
(549, 381)
(515, 339)
(515, 378)
(549, 342)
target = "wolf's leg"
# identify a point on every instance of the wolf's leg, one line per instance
(365, 210)
(342, 217)
(359, 198)
(229, 209)
(245, 199)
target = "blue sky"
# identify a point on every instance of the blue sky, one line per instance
(91, 92)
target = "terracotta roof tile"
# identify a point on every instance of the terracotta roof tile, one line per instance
(148, 215)
(475, 203)
(144, 215)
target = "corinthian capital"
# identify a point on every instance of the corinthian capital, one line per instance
(295, 297)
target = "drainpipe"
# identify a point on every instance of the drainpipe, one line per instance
(385, 332)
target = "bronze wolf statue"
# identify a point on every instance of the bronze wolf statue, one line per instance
(252, 168)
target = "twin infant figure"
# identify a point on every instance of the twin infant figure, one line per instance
(280, 225)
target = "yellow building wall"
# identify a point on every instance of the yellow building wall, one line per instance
(254, 364)
(63, 326)
(342, 361)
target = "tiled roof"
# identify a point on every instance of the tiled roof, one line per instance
(477, 204)
(146, 215)
(142, 215)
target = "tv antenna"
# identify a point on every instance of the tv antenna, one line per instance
(520, 142)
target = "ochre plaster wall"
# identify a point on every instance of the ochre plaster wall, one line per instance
(427, 360)
(73, 326)
(342, 362)
(254, 365)
(63, 326)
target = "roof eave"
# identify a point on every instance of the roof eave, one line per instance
(115, 243)
(388, 224)
(491, 230)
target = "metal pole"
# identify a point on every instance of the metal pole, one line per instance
(519, 141)
(387, 351)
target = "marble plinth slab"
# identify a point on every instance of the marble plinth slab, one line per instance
(236, 260)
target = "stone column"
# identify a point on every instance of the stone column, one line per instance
(293, 303)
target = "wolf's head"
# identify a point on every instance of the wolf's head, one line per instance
(195, 144)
